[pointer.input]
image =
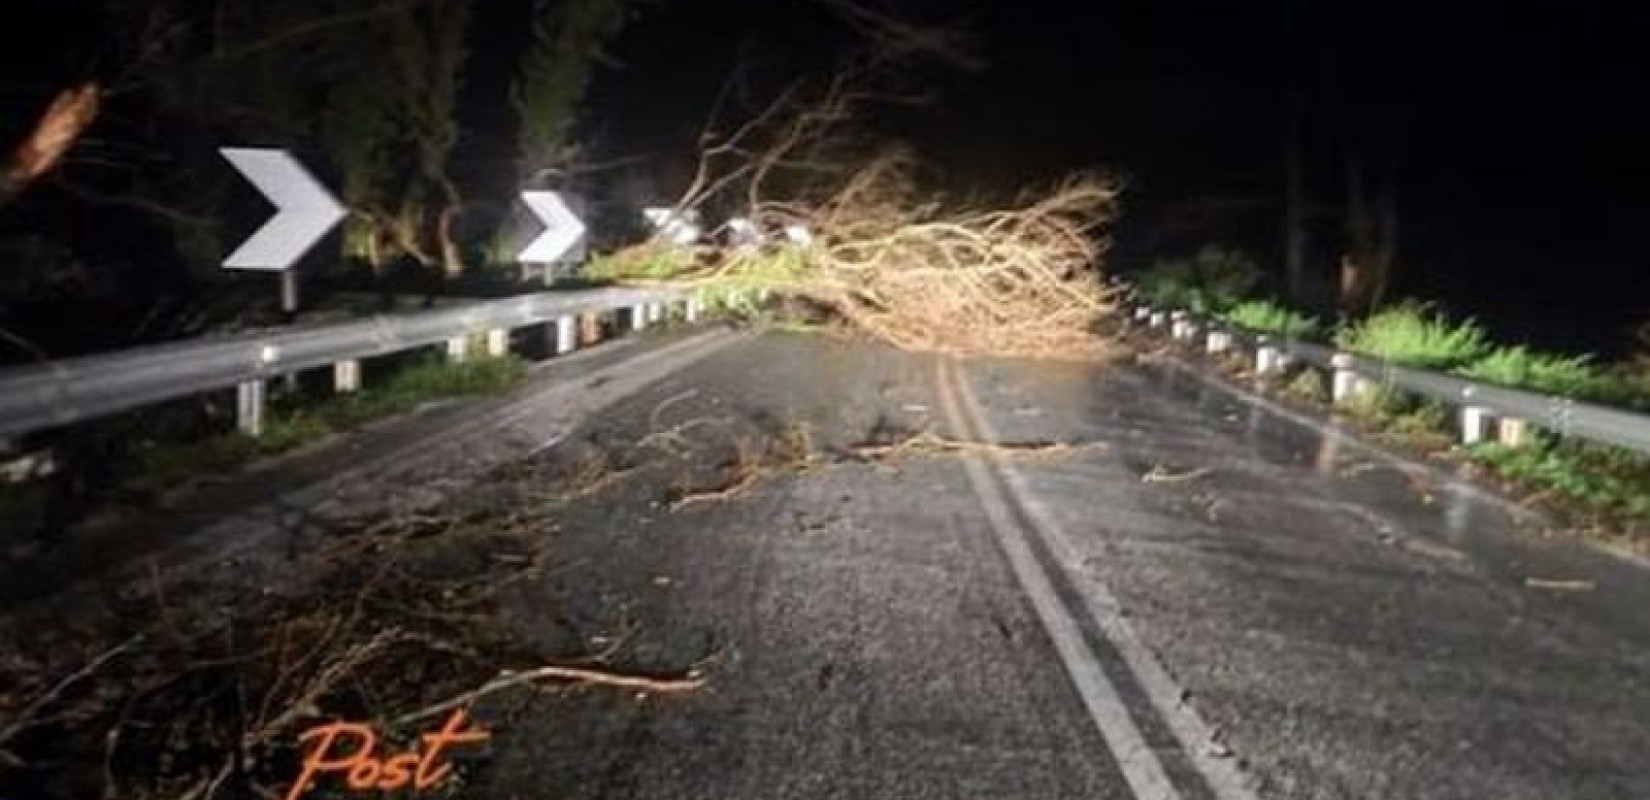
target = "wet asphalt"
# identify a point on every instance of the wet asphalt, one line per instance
(1209, 597)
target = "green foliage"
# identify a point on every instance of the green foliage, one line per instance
(1211, 281)
(642, 262)
(359, 137)
(1414, 334)
(1266, 316)
(1603, 479)
(555, 72)
(1426, 424)
(768, 268)
(1308, 386)
(1373, 403)
(1519, 366)
(723, 302)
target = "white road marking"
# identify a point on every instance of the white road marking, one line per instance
(1140, 764)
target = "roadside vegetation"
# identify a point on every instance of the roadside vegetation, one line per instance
(1210, 281)
(1611, 481)
(145, 468)
(1415, 335)
(1568, 376)
(297, 420)
(1267, 316)
(1606, 490)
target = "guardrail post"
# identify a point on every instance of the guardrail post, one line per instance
(1266, 360)
(1473, 419)
(346, 375)
(1156, 319)
(690, 310)
(1344, 382)
(458, 348)
(1512, 431)
(567, 335)
(655, 312)
(289, 291)
(249, 407)
(1142, 313)
(638, 317)
(498, 342)
(1218, 342)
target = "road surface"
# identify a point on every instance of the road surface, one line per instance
(1158, 586)
(1207, 598)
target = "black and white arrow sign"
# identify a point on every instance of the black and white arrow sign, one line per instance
(562, 228)
(304, 209)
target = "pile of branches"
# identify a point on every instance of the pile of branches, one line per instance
(1020, 281)
(190, 689)
(199, 690)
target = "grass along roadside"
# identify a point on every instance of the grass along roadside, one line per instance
(1267, 316)
(1603, 490)
(1597, 491)
(142, 460)
(297, 420)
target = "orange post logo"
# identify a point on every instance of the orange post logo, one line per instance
(349, 749)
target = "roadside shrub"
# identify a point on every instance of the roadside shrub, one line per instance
(1266, 316)
(1603, 479)
(1309, 386)
(294, 422)
(1212, 280)
(1415, 334)
(642, 262)
(1425, 424)
(1520, 366)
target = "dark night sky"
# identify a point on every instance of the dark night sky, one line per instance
(1514, 128)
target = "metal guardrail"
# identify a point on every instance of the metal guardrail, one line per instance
(57, 393)
(1561, 415)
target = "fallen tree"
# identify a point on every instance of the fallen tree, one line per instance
(850, 228)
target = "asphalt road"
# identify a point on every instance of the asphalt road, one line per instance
(1206, 596)
(1157, 586)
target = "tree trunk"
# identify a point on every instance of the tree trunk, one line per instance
(1371, 242)
(1294, 213)
(1385, 256)
(452, 261)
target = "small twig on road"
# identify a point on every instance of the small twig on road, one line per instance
(747, 479)
(930, 443)
(659, 410)
(1161, 474)
(26, 716)
(1559, 585)
(642, 683)
(672, 440)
